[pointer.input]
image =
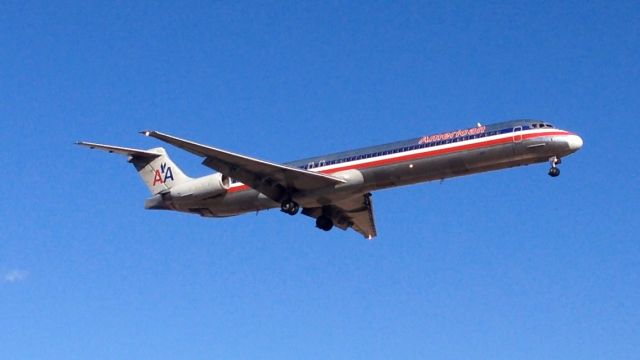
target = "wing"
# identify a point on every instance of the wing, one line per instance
(273, 180)
(355, 212)
(120, 150)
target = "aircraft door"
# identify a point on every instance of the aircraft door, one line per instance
(517, 134)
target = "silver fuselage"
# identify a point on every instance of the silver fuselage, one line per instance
(428, 158)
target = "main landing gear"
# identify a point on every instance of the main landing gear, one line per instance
(324, 222)
(289, 207)
(554, 171)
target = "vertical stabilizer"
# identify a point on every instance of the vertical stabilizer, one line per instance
(158, 173)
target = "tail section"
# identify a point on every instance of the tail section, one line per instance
(158, 173)
(154, 166)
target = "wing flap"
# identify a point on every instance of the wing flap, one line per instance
(355, 212)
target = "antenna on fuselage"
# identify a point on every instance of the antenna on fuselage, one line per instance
(478, 124)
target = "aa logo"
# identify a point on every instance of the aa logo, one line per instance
(162, 175)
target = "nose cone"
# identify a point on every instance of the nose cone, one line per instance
(574, 142)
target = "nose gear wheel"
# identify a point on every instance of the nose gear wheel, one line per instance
(554, 171)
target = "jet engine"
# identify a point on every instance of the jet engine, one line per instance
(202, 188)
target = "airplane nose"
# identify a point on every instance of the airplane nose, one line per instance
(574, 142)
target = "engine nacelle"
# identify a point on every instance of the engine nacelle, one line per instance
(201, 188)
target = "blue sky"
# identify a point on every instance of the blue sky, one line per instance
(503, 265)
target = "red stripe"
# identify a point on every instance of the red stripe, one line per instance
(242, 187)
(428, 153)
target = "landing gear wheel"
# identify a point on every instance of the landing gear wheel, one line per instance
(324, 223)
(289, 207)
(554, 171)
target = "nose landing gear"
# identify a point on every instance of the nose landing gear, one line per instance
(554, 171)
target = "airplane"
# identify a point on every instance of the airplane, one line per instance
(335, 189)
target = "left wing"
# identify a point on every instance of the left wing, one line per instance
(355, 212)
(276, 181)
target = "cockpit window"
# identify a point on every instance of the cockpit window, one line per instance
(541, 125)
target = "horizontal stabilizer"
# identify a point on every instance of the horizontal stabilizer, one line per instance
(154, 166)
(120, 150)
